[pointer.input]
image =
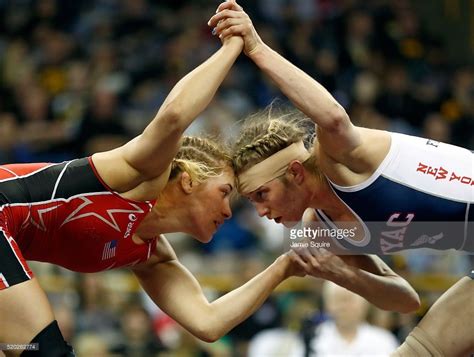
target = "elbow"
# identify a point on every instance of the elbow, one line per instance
(412, 303)
(208, 329)
(338, 119)
(171, 115)
(208, 334)
(409, 302)
(210, 338)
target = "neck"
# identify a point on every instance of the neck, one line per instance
(323, 197)
(168, 215)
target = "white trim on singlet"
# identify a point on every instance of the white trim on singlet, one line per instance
(9, 240)
(401, 166)
(59, 199)
(367, 236)
(4, 280)
(9, 171)
(466, 225)
(30, 173)
(149, 248)
(59, 179)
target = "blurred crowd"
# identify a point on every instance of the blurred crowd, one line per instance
(77, 77)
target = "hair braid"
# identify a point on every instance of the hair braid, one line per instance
(267, 132)
(201, 158)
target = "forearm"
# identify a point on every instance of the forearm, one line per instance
(174, 289)
(151, 153)
(192, 94)
(388, 292)
(306, 93)
(237, 305)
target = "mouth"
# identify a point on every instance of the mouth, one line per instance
(217, 224)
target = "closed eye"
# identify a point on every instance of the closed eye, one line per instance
(227, 190)
(260, 196)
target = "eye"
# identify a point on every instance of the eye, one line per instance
(261, 195)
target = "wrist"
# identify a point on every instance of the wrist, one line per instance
(259, 53)
(281, 267)
(347, 277)
(235, 43)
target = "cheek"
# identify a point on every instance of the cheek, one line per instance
(292, 204)
(211, 203)
(279, 205)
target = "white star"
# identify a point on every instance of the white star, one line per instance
(112, 222)
(40, 225)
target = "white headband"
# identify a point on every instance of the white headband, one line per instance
(272, 167)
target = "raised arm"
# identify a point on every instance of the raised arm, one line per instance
(175, 290)
(306, 93)
(149, 155)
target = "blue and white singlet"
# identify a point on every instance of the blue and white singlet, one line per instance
(421, 196)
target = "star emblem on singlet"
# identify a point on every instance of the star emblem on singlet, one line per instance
(40, 222)
(89, 208)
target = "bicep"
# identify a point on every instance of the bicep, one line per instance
(177, 292)
(151, 152)
(122, 169)
(172, 287)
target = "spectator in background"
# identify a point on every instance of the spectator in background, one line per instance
(138, 338)
(348, 333)
(88, 345)
(287, 339)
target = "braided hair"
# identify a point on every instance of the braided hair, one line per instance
(201, 158)
(267, 132)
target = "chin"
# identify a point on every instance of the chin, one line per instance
(292, 220)
(204, 237)
(289, 224)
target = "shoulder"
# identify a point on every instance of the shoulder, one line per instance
(123, 178)
(361, 162)
(309, 215)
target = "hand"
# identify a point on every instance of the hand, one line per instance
(292, 268)
(320, 263)
(231, 20)
(233, 41)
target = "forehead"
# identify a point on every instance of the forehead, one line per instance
(274, 184)
(227, 177)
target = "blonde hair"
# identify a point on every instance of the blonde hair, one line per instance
(201, 157)
(269, 131)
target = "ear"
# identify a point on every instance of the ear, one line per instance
(186, 182)
(295, 172)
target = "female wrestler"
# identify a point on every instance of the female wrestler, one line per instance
(355, 175)
(108, 211)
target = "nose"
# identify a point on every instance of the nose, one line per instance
(227, 211)
(261, 210)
